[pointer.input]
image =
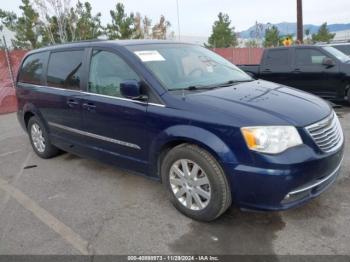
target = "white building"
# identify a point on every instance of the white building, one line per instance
(342, 36)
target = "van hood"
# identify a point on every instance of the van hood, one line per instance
(262, 103)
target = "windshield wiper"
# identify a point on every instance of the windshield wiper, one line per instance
(232, 82)
(210, 87)
(193, 88)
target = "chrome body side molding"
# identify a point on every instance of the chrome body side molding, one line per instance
(104, 138)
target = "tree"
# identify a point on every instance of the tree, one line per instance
(62, 23)
(223, 34)
(88, 26)
(50, 34)
(160, 30)
(7, 19)
(26, 27)
(55, 14)
(122, 26)
(307, 34)
(138, 32)
(252, 43)
(323, 34)
(147, 24)
(272, 37)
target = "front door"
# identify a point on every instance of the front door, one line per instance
(312, 76)
(115, 126)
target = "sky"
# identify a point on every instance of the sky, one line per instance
(197, 16)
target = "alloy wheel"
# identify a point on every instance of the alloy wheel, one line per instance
(190, 184)
(37, 137)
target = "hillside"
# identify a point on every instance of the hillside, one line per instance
(290, 28)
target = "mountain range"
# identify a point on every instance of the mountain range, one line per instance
(286, 28)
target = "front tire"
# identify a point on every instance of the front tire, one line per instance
(39, 139)
(196, 183)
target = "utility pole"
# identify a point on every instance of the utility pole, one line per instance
(178, 19)
(300, 27)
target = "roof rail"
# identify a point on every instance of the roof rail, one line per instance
(80, 41)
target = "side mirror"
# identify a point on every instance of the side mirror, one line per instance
(328, 62)
(131, 89)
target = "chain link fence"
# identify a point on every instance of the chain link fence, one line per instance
(9, 63)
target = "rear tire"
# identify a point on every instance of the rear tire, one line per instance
(196, 183)
(40, 140)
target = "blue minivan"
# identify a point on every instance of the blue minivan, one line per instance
(185, 116)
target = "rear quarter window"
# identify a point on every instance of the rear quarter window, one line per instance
(65, 69)
(32, 69)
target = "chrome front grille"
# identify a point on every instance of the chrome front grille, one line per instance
(327, 133)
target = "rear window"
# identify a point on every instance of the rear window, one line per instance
(277, 57)
(64, 69)
(32, 69)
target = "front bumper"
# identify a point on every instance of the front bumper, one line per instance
(312, 189)
(288, 186)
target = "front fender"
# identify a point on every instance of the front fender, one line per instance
(195, 135)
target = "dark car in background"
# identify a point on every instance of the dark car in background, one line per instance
(183, 115)
(321, 70)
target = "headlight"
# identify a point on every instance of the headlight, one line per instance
(271, 139)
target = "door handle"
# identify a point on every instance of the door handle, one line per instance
(267, 71)
(72, 102)
(89, 106)
(297, 70)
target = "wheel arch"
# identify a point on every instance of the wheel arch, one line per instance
(177, 135)
(29, 110)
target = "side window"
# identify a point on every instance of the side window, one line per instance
(107, 71)
(64, 69)
(32, 69)
(308, 57)
(277, 57)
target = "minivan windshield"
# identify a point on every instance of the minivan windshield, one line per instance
(338, 54)
(185, 66)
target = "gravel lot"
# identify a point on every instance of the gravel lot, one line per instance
(70, 205)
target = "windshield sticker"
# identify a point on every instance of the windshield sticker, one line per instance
(149, 56)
